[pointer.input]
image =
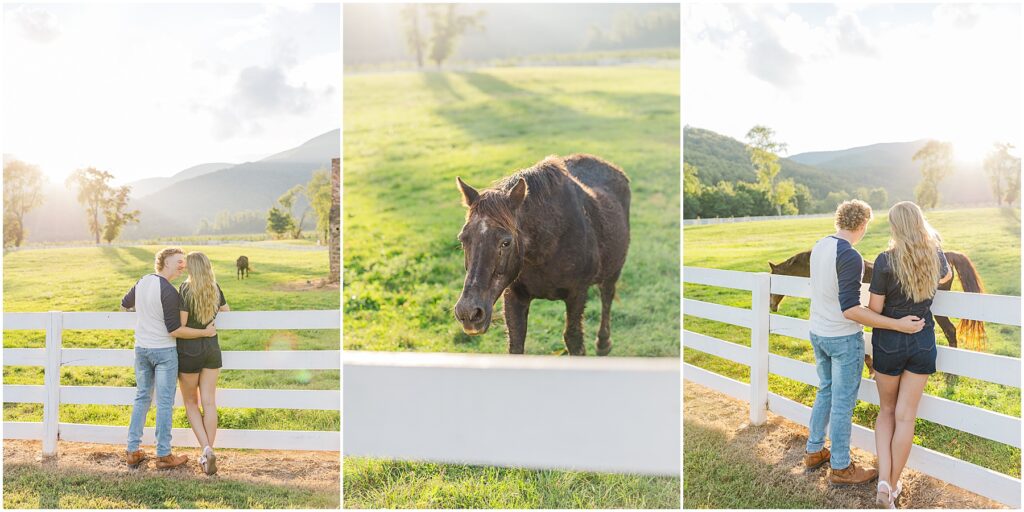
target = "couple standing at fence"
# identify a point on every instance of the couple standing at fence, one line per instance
(903, 283)
(175, 339)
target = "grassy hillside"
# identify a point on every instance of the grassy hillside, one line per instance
(407, 136)
(990, 237)
(95, 279)
(722, 158)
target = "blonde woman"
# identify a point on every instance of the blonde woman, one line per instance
(199, 359)
(904, 282)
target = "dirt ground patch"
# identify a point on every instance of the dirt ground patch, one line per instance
(305, 285)
(314, 471)
(777, 448)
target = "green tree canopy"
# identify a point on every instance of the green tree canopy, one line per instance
(22, 192)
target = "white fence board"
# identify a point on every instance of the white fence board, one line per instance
(31, 430)
(25, 321)
(719, 313)
(313, 399)
(791, 286)
(607, 414)
(233, 359)
(975, 420)
(244, 320)
(24, 357)
(716, 277)
(722, 384)
(1000, 309)
(227, 438)
(22, 394)
(717, 347)
(983, 481)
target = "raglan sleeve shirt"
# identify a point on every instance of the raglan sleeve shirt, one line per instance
(171, 301)
(880, 275)
(849, 271)
(128, 301)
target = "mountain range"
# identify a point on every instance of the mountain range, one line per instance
(889, 165)
(175, 205)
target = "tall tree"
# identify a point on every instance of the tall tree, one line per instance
(691, 192)
(279, 222)
(762, 147)
(115, 215)
(288, 200)
(936, 160)
(413, 37)
(447, 26)
(98, 197)
(23, 184)
(1003, 171)
(318, 193)
(93, 189)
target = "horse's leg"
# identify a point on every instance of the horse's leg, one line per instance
(573, 334)
(604, 334)
(947, 328)
(516, 311)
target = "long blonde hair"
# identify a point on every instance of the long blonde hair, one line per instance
(202, 296)
(914, 249)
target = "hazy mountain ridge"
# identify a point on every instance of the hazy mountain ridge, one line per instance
(888, 165)
(191, 195)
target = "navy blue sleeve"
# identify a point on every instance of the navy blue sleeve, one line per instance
(223, 301)
(128, 301)
(943, 264)
(170, 300)
(849, 271)
(182, 301)
(880, 275)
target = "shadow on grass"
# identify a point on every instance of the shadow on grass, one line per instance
(48, 487)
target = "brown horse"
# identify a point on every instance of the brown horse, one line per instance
(547, 232)
(242, 267)
(971, 331)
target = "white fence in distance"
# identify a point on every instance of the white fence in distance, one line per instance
(988, 367)
(51, 394)
(610, 414)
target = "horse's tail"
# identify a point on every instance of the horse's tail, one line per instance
(973, 331)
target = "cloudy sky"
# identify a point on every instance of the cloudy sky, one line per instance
(829, 76)
(149, 90)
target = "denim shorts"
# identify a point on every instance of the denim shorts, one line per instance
(895, 352)
(194, 355)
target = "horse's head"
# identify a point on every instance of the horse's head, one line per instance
(493, 248)
(776, 299)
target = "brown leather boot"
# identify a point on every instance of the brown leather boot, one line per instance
(171, 461)
(134, 458)
(816, 459)
(852, 475)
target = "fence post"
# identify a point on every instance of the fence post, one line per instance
(51, 382)
(760, 297)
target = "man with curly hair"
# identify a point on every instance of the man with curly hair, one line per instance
(837, 335)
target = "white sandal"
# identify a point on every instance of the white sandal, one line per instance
(891, 501)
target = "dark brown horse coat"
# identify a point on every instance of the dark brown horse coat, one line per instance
(972, 331)
(546, 232)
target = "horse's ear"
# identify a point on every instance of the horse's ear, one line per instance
(518, 193)
(469, 194)
(772, 265)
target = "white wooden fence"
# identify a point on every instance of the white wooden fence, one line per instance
(988, 367)
(577, 413)
(51, 394)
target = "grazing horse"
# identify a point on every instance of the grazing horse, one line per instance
(546, 232)
(242, 267)
(972, 331)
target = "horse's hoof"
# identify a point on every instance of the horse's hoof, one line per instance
(603, 351)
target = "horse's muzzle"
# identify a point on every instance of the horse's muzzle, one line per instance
(474, 316)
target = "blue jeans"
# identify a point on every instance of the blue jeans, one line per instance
(839, 360)
(157, 366)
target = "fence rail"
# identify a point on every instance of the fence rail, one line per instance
(51, 394)
(596, 414)
(987, 367)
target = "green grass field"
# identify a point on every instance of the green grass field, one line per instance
(407, 136)
(95, 279)
(990, 237)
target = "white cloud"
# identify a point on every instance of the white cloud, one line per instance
(36, 24)
(827, 80)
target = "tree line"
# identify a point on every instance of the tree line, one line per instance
(769, 195)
